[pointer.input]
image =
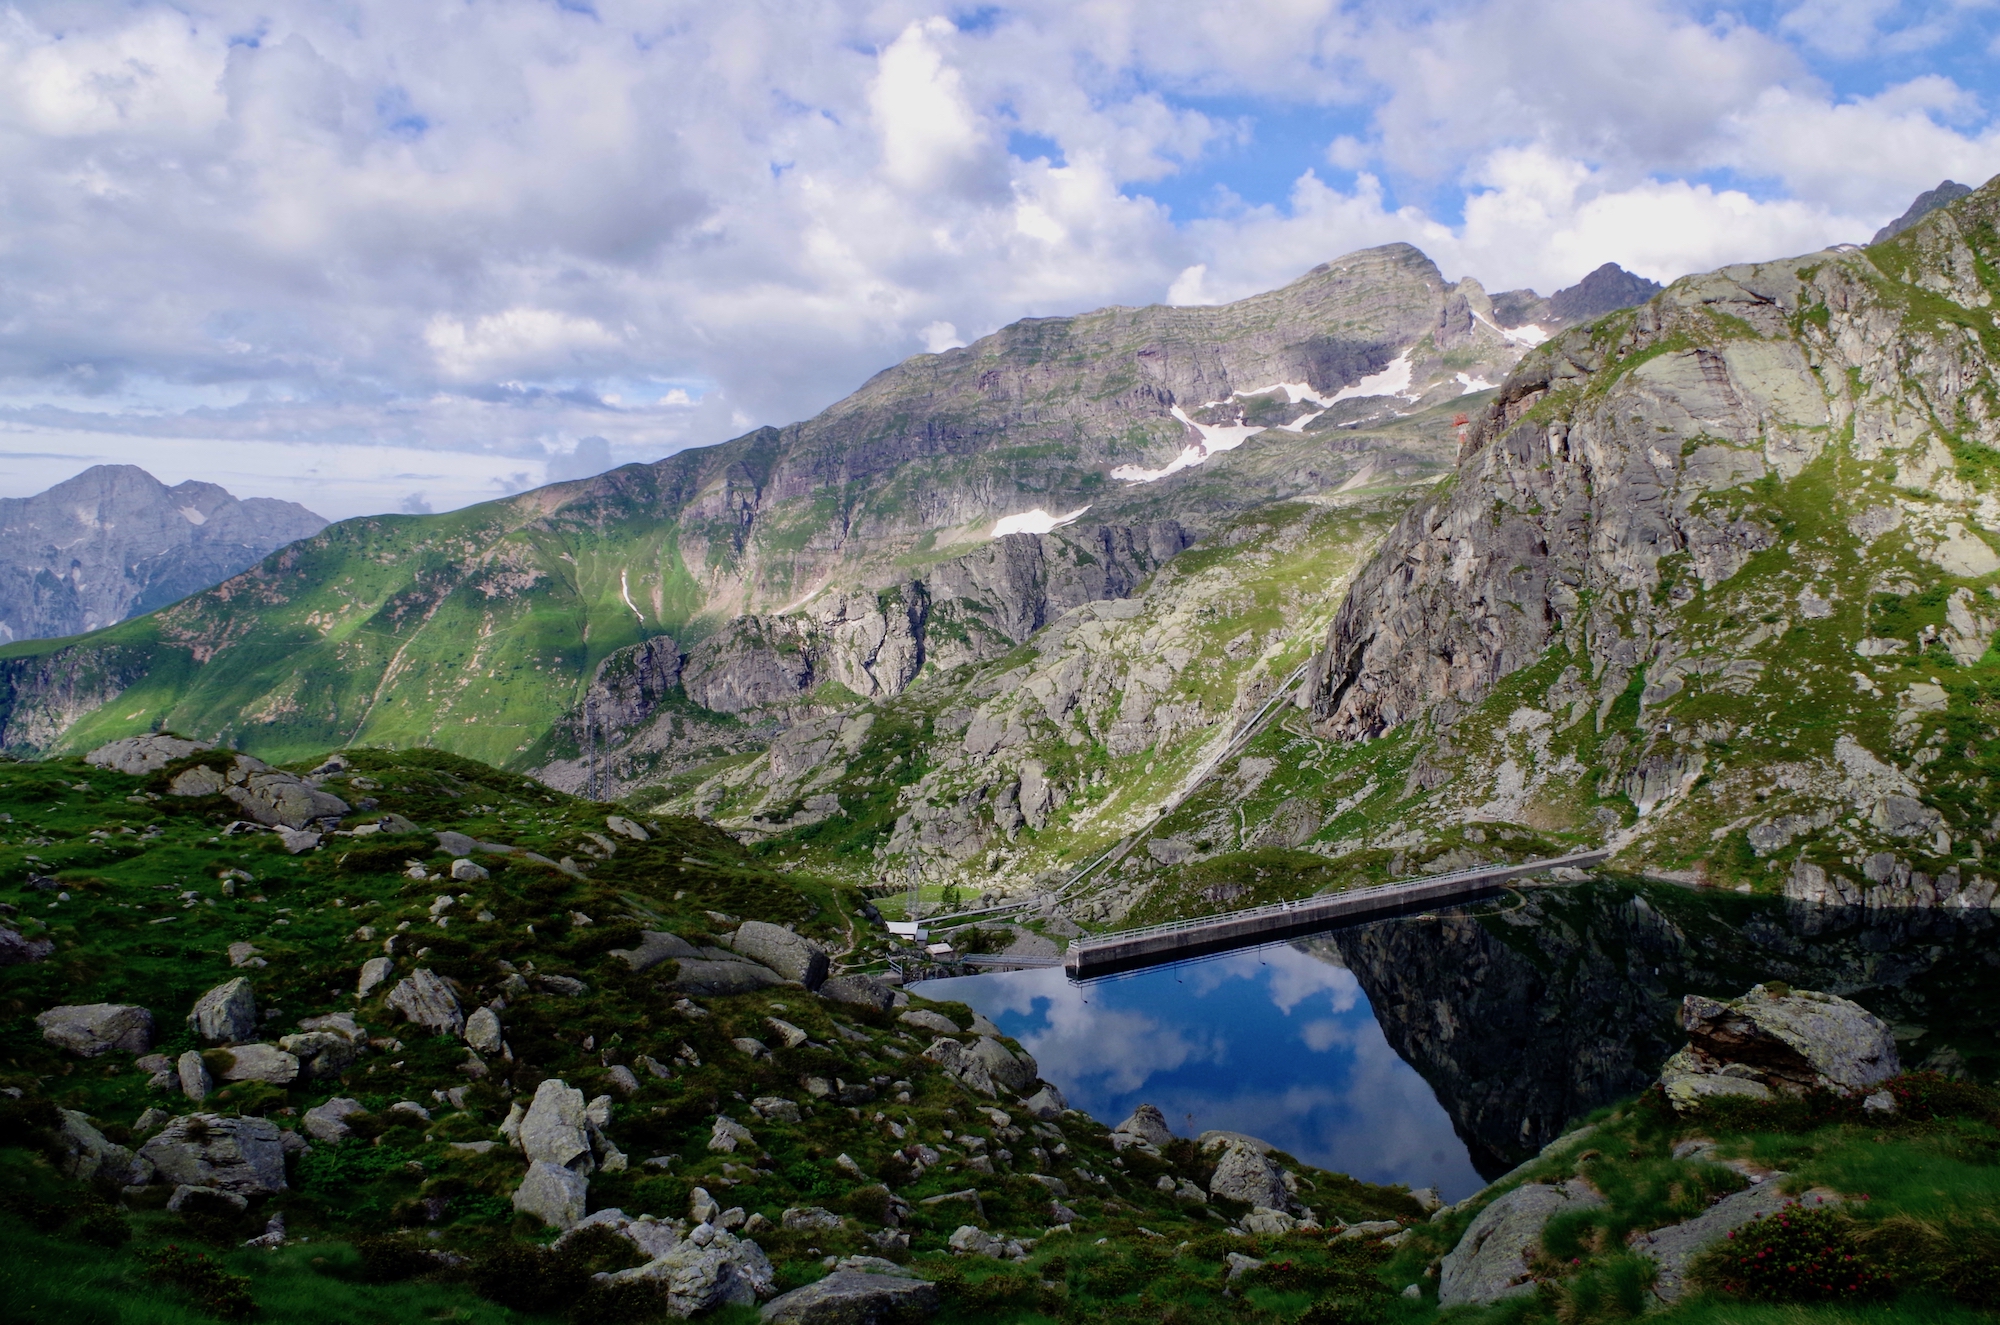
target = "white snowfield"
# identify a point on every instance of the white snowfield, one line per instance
(1037, 521)
(1214, 438)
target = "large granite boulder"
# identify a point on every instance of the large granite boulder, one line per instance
(328, 1121)
(1015, 1071)
(1775, 1040)
(260, 1062)
(715, 979)
(483, 1031)
(1674, 1246)
(225, 1013)
(553, 1194)
(858, 991)
(1146, 1124)
(324, 1046)
(241, 1155)
(424, 998)
(137, 756)
(556, 1128)
(848, 1297)
(962, 1063)
(1245, 1174)
(789, 955)
(87, 1154)
(16, 949)
(1490, 1261)
(90, 1029)
(707, 1269)
(656, 946)
(270, 797)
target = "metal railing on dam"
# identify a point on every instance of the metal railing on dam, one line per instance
(1130, 949)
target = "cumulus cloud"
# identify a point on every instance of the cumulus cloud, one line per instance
(493, 231)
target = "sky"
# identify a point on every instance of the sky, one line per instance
(378, 256)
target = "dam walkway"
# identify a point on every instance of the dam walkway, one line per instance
(1154, 945)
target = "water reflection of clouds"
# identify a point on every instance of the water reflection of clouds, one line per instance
(1275, 1042)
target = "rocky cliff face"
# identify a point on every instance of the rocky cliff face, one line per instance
(115, 542)
(1526, 1019)
(1727, 559)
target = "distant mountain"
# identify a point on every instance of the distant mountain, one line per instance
(1605, 290)
(1926, 203)
(115, 542)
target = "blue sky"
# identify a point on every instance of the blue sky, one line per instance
(311, 250)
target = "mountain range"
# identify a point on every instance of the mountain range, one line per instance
(1369, 575)
(115, 542)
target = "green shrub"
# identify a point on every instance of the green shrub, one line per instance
(1795, 1255)
(104, 1228)
(529, 1278)
(1923, 1096)
(391, 1260)
(214, 1289)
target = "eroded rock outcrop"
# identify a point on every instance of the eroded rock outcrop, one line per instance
(1778, 1041)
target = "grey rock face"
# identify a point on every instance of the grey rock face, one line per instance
(553, 1194)
(16, 950)
(261, 1062)
(429, 1002)
(1015, 1071)
(706, 1270)
(90, 1029)
(705, 979)
(789, 955)
(1148, 1124)
(1490, 1261)
(859, 991)
(556, 1130)
(88, 1155)
(374, 973)
(656, 947)
(483, 1031)
(241, 1155)
(846, 1297)
(328, 1121)
(962, 1063)
(1677, 1244)
(225, 1013)
(139, 755)
(1243, 1174)
(270, 797)
(1046, 1103)
(193, 1075)
(114, 542)
(1789, 1042)
(926, 1020)
(325, 1053)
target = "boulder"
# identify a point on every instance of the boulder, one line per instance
(555, 1129)
(650, 1234)
(655, 947)
(962, 1063)
(136, 756)
(707, 1269)
(1490, 1261)
(776, 1108)
(1266, 1222)
(791, 956)
(465, 871)
(713, 979)
(483, 1031)
(427, 1000)
(328, 1121)
(1245, 1175)
(622, 1079)
(1215, 1140)
(848, 1297)
(206, 1200)
(243, 954)
(727, 1135)
(90, 1029)
(553, 1194)
(226, 1013)
(280, 800)
(1015, 1071)
(1148, 1124)
(261, 1062)
(626, 828)
(1046, 1104)
(1778, 1040)
(926, 1020)
(87, 1154)
(192, 1072)
(241, 1155)
(811, 1219)
(16, 950)
(322, 1054)
(858, 991)
(1674, 1246)
(375, 972)
(1365, 1231)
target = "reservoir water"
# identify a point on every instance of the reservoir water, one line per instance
(1445, 1049)
(1278, 1042)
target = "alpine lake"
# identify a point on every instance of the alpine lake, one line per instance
(1443, 1049)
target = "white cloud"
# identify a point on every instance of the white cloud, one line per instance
(493, 231)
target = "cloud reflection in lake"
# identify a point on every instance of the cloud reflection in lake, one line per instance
(1273, 1042)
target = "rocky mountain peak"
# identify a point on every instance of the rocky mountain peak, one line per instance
(1927, 202)
(115, 542)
